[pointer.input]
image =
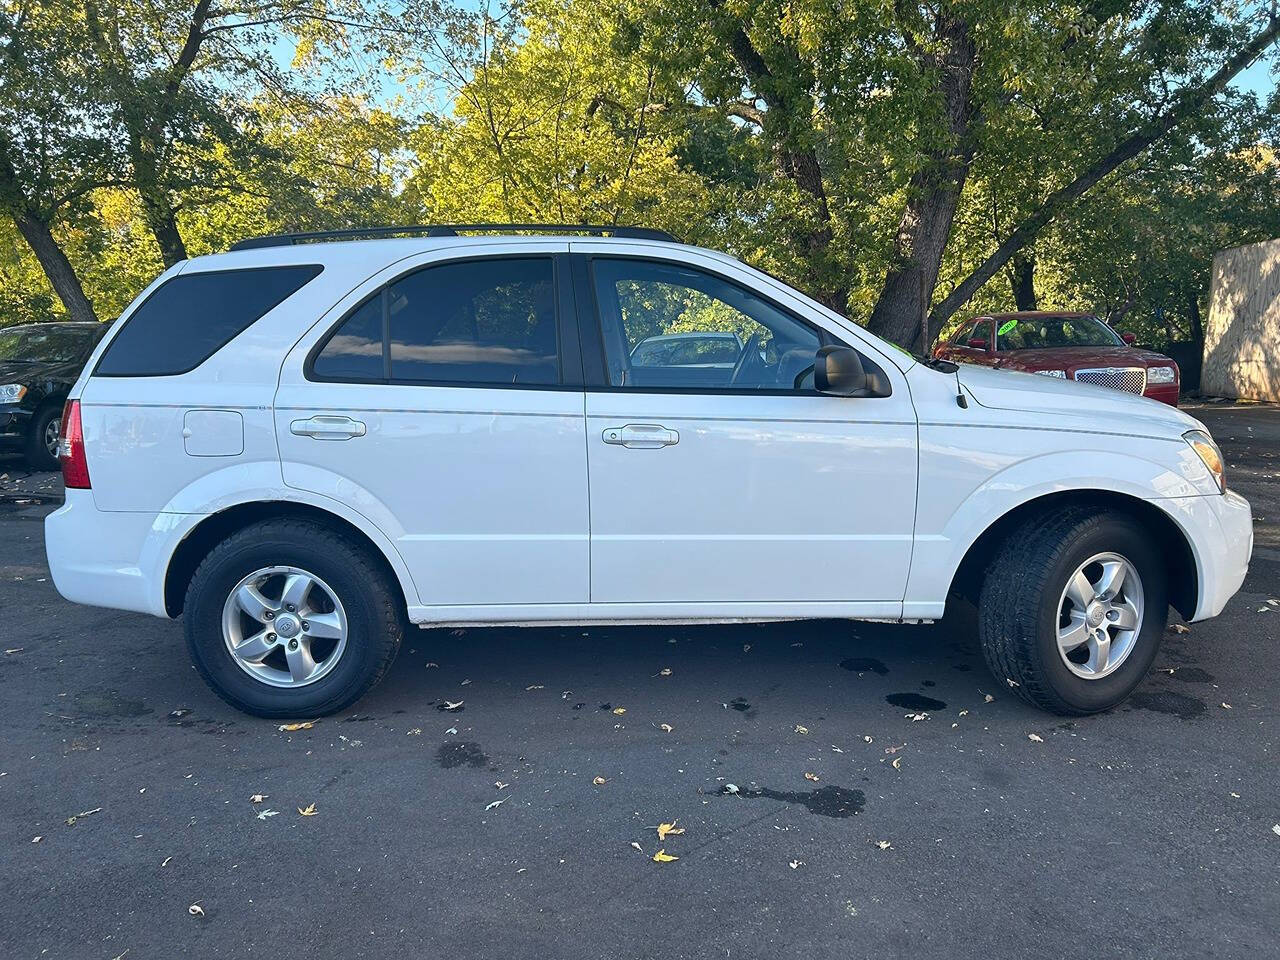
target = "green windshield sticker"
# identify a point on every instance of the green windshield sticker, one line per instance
(1007, 326)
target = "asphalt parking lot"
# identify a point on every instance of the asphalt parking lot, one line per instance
(891, 800)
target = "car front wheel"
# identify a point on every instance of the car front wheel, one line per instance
(288, 618)
(41, 449)
(1072, 610)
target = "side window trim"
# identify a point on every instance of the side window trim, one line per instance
(568, 349)
(591, 321)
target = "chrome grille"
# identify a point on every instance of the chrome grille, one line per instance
(1128, 379)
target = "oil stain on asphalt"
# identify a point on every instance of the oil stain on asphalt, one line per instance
(459, 753)
(864, 665)
(915, 701)
(829, 801)
(1166, 701)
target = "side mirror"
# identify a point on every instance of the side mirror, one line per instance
(977, 343)
(838, 371)
(1129, 338)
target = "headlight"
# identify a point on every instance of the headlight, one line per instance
(12, 392)
(1060, 374)
(1209, 454)
(1162, 375)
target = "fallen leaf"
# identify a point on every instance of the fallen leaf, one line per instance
(664, 672)
(867, 740)
(1036, 737)
(883, 844)
(13, 650)
(897, 763)
(665, 727)
(165, 861)
(452, 730)
(1012, 682)
(663, 857)
(450, 705)
(801, 729)
(913, 717)
(665, 829)
(36, 839)
(535, 686)
(292, 727)
(988, 699)
(258, 798)
(1179, 628)
(431, 664)
(1226, 706)
(496, 803)
(599, 781)
(619, 711)
(1276, 829)
(268, 813)
(746, 648)
(964, 713)
(81, 816)
(811, 776)
(415, 732)
(795, 863)
(730, 788)
(196, 910)
(637, 846)
(308, 811)
(500, 785)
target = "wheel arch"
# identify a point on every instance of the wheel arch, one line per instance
(1181, 563)
(210, 531)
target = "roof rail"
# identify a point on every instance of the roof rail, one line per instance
(451, 230)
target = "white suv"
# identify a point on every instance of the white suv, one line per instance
(303, 446)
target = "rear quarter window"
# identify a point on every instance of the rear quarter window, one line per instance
(188, 319)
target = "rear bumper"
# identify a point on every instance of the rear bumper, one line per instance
(1220, 529)
(115, 560)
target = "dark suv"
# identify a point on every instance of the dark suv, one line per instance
(38, 364)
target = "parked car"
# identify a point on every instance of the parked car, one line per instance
(1068, 346)
(38, 364)
(305, 444)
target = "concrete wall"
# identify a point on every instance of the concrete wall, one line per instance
(1242, 335)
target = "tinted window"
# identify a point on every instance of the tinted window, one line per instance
(354, 351)
(49, 343)
(482, 321)
(667, 326)
(189, 318)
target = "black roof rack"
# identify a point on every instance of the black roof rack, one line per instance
(451, 230)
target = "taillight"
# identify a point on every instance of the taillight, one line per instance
(75, 468)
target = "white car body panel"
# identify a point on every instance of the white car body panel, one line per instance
(505, 505)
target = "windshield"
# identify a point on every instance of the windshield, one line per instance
(43, 344)
(1030, 333)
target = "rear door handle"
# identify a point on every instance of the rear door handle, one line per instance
(327, 428)
(641, 436)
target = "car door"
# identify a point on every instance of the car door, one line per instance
(443, 400)
(736, 488)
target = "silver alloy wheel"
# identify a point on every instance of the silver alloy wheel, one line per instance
(284, 626)
(51, 432)
(1100, 616)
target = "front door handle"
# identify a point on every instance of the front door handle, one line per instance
(327, 428)
(641, 436)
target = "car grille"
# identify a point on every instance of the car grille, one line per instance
(1128, 379)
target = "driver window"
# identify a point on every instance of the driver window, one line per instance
(668, 326)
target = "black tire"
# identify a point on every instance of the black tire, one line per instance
(376, 617)
(1019, 608)
(34, 450)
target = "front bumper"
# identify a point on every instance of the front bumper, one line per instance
(13, 427)
(1220, 529)
(1164, 392)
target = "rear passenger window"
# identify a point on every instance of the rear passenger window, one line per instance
(476, 322)
(188, 319)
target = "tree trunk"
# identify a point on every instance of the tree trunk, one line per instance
(1193, 320)
(56, 266)
(157, 210)
(1023, 280)
(1189, 102)
(901, 312)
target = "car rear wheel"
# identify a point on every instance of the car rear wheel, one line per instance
(287, 618)
(41, 449)
(1072, 610)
